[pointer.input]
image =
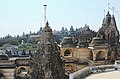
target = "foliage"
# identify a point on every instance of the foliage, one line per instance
(31, 42)
(27, 47)
(8, 40)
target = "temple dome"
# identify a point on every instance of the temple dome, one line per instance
(67, 41)
(4, 57)
(87, 31)
(97, 40)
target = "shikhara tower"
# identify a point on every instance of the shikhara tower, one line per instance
(46, 62)
(109, 30)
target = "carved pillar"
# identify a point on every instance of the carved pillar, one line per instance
(106, 55)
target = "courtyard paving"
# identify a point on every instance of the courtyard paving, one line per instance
(105, 75)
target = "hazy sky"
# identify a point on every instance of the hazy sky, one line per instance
(18, 16)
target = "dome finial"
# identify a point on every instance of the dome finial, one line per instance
(47, 24)
(108, 13)
(47, 27)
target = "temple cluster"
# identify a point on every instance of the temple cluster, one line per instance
(77, 50)
(92, 48)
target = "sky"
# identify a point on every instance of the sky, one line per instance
(18, 16)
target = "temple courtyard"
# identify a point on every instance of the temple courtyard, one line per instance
(105, 75)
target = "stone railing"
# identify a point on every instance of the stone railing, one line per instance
(6, 63)
(102, 68)
(81, 74)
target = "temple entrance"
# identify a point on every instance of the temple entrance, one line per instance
(22, 73)
(100, 56)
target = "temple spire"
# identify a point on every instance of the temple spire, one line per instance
(47, 24)
(113, 22)
(104, 13)
(47, 27)
(46, 62)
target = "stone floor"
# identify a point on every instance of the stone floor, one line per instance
(106, 75)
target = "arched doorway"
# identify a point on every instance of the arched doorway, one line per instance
(68, 52)
(23, 70)
(22, 73)
(100, 56)
(68, 68)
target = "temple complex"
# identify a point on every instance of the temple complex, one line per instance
(90, 48)
(80, 53)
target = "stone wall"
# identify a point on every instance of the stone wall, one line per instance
(76, 59)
